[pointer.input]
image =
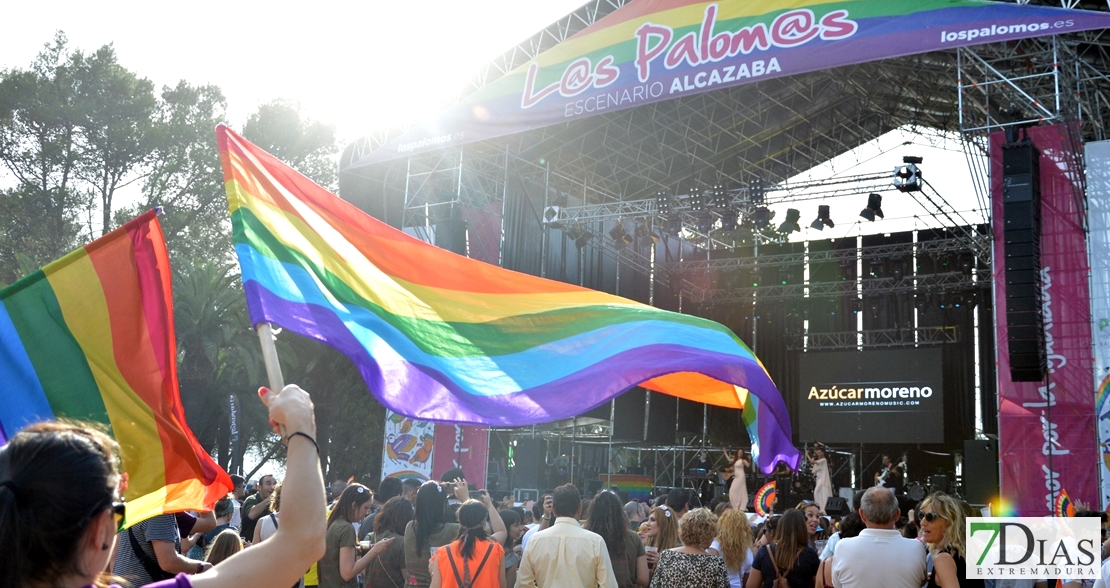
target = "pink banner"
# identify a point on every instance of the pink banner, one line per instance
(1046, 431)
(462, 447)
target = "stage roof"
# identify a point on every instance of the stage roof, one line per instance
(776, 128)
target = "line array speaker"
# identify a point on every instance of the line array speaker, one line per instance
(1021, 215)
(980, 470)
(527, 457)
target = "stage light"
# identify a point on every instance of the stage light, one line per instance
(823, 219)
(967, 264)
(942, 300)
(875, 268)
(705, 222)
(853, 304)
(875, 306)
(729, 219)
(756, 190)
(619, 235)
(784, 275)
(957, 300)
(897, 267)
(663, 202)
(790, 225)
(874, 207)
(550, 214)
(699, 200)
(848, 270)
(580, 236)
(921, 301)
(643, 231)
(907, 177)
(761, 217)
(756, 275)
(720, 199)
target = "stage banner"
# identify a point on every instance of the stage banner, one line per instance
(425, 450)
(1098, 223)
(1046, 430)
(459, 446)
(655, 50)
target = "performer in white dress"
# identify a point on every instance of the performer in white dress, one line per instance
(738, 491)
(822, 488)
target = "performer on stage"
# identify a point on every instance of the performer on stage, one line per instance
(891, 476)
(738, 491)
(822, 489)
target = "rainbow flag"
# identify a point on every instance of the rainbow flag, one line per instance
(441, 337)
(90, 337)
(1063, 507)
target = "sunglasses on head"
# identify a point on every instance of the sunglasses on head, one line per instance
(930, 517)
(118, 509)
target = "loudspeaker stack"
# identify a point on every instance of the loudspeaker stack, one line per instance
(1021, 211)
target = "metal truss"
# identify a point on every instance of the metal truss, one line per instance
(1048, 80)
(732, 293)
(771, 130)
(934, 248)
(874, 338)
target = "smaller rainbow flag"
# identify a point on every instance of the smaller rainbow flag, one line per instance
(638, 487)
(765, 499)
(90, 337)
(1064, 506)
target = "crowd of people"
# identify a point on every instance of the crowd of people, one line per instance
(61, 516)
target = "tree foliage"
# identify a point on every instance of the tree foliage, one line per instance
(75, 129)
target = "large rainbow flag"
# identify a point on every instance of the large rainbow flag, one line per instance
(441, 337)
(90, 337)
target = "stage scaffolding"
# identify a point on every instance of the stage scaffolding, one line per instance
(667, 463)
(611, 168)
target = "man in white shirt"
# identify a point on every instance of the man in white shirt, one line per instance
(903, 560)
(566, 555)
(237, 499)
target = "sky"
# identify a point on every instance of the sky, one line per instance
(361, 66)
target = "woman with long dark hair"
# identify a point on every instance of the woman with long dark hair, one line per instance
(388, 568)
(626, 552)
(341, 564)
(790, 556)
(473, 560)
(514, 531)
(61, 507)
(429, 529)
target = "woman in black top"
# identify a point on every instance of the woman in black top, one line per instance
(942, 528)
(789, 556)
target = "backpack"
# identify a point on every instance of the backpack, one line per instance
(780, 580)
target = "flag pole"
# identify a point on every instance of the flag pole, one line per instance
(270, 356)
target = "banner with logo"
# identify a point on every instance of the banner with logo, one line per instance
(655, 50)
(1033, 547)
(425, 450)
(1098, 223)
(1046, 430)
(873, 396)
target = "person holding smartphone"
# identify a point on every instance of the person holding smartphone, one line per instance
(546, 521)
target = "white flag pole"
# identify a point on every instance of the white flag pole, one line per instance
(270, 356)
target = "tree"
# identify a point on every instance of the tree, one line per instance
(308, 146)
(39, 126)
(117, 120)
